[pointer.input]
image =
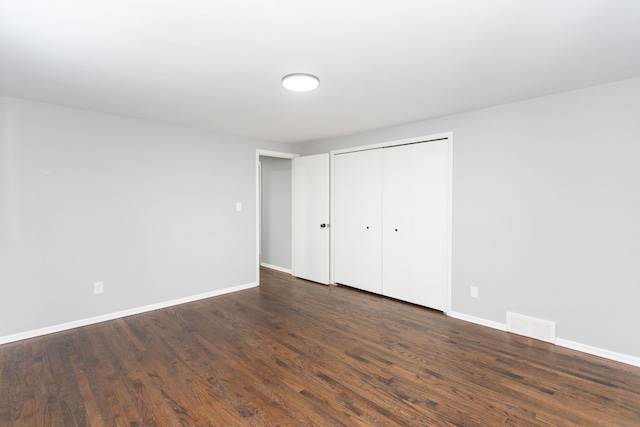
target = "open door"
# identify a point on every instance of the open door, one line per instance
(311, 218)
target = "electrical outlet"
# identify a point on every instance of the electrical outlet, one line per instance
(474, 292)
(98, 287)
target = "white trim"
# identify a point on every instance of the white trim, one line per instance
(111, 316)
(478, 321)
(449, 294)
(601, 352)
(279, 155)
(275, 267)
(424, 138)
(583, 348)
(332, 204)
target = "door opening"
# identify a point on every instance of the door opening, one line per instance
(273, 210)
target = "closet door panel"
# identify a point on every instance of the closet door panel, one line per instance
(358, 219)
(415, 223)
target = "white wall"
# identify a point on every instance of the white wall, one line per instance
(276, 212)
(546, 210)
(148, 208)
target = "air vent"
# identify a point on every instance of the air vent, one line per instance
(531, 327)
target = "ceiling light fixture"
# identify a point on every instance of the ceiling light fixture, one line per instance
(300, 82)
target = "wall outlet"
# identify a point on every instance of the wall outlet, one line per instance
(98, 287)
(474, 292)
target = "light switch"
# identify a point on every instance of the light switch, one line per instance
(238, 206)
(474, 292)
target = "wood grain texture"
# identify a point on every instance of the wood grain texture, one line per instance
(293, 352)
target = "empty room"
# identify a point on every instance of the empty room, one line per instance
(354, 213)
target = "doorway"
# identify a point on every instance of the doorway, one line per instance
(275, 213)
(273, 210)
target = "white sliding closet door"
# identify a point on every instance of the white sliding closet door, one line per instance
(357, 220)
(415, 223)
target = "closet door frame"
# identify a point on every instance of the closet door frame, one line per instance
(425, 138)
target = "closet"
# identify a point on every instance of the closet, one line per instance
(391, 221)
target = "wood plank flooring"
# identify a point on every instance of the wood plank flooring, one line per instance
(295, 353)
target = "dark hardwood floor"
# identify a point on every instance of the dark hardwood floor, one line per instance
(293, 352)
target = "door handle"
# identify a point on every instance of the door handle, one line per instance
(325, 225)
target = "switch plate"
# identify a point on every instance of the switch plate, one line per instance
(238, 207)
(474, 292)
(98, 287)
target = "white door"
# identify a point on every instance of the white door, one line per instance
(415, 223)
(311, 218)
(357, 220)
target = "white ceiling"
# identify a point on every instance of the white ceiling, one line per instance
(217, 64)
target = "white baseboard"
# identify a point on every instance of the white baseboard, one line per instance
(111, 316)
(596, 351)
(478, 320)
(275, 267)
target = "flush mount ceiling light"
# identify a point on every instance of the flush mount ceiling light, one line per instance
(300, 82)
